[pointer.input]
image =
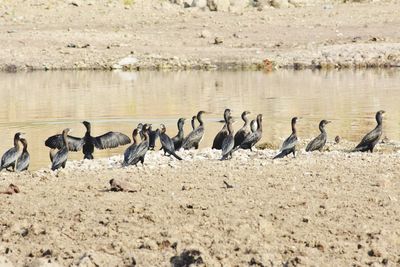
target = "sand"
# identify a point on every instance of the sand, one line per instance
(98, 34)
(319, 209)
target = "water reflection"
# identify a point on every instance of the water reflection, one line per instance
(43, 103)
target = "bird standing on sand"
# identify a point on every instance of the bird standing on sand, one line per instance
(178, 139)
(219, 138)
(130, 150)
(24, 158)
(166, 142)
(194, 138)
(9, 159)
(140, 151)
(229, 141)
(61, 157)
(372, 138)
(244, 131)
(319, 142)
(88, 142)
(289, 145)
(252, 138)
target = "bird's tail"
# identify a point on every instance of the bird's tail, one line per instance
(281, 154)
(176, 156)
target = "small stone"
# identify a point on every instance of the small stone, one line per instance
(374, 253)
(218, 41)
(204, 34)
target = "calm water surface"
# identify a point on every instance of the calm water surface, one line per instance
(43, 103)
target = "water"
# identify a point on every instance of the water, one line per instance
(43, 103)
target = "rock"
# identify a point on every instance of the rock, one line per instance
(4, 262)
(218, 40)
(187, 3)
(280, 3)
(199, 3)
(126, 62)
(218, 5)
(187, 258)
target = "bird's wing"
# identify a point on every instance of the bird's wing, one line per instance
(290, 142)
(56, 141)
(194, 136)
(370, 137)
(111, 140)
(227, 144)
(60, 157)
(316, 143)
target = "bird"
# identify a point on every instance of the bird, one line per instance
(219, 138)
(88, 142)
(372, 138)
(130, 150)
(11, 156)
(152, 137)
(178, 138)
(194, 138)
(319, 142)
(166, 142)
(139, 153)
(24, 158)
(193, 122)
(244, 131)
(252, 138)
(61, 157)
(289, 145)
(140, 127)
(229, 142)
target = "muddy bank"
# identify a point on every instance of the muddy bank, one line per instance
(65, 35)
(322, 209)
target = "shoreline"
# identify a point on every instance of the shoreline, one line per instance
(363, 35)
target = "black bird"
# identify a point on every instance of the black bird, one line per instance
(61, 157)
(10, 158)
(178, 139)
(289, 145)
(130, 150)
(229, 142)
(372, 138)
(193, 122)
(319, 142)
(244, 131)
(152, 137)
(88, 142)
(23, 160)
(219, 138)
(194, 138)
(140, 151)
(167, 143)
(252, 138)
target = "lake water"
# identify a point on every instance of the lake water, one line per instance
(43, 103)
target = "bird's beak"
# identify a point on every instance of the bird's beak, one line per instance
(328, 121)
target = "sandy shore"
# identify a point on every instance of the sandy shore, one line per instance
(42, 35)
(320, 209)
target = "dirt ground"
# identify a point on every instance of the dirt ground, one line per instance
(319, 209)
(43, 34)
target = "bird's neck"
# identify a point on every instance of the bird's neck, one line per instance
(322, 129)
(259, 125)
(16, 143)
(230, 128)
(246, 120)
(200, 119)
(294, 131)
(65, 139)
(193, 126)
(379, 120)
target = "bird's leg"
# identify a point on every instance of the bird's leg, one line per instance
(294, 153)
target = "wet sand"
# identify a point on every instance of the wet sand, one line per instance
(319, 209)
